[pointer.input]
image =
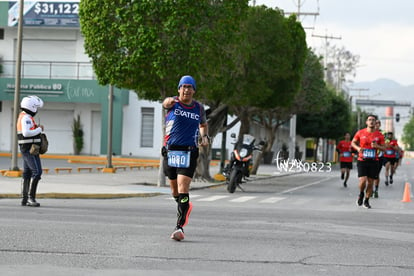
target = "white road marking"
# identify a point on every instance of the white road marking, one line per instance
(304, 186)
(272, 199)
(243, 199)
(212, 198)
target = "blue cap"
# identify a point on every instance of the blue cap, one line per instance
(187, 80)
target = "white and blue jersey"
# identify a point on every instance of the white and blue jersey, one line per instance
(182, 124)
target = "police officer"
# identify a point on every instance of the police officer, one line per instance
(185, 130)
(28, 135)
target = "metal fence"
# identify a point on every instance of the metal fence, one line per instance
(49, 70)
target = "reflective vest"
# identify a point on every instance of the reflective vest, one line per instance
(22, 139)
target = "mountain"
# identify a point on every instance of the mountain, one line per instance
(378, 85)
(383, 89)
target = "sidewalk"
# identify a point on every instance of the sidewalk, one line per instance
(123, 183)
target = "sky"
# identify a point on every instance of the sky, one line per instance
(381, 32)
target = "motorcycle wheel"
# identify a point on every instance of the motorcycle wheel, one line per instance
(235, 177)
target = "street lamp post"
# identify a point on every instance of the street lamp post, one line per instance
(14, 169)
(109, 168)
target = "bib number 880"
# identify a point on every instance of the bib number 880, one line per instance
(179, 159)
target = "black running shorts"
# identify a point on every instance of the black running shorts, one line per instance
(172, 172)
(368, 168)
(391, 160)
(381, 163)
(346, 165)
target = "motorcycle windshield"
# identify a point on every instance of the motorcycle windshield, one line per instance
(248, 139)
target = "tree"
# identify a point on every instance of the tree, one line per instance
(331, 122)
(77, 134)
(147, 46)
(340, 64)
(408, 135)
(311, 98)
(272, 59)
(272, 65)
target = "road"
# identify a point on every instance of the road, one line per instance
(303, 224)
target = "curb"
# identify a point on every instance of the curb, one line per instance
(83, 196)
(210, 185)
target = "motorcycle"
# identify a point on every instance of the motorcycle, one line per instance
(238, 167)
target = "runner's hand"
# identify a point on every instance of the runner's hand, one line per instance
(205, 140)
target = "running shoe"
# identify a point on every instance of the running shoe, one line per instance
(366, 204)
(360, 199)
(375, 194)
(386, 183)
(178, 234)
(345, 184)
(190, 208)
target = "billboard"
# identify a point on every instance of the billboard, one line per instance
(45, 13)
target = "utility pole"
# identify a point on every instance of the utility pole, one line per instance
(14, 169)
(109, 168)
(300, 13)
(325, 62)
(292, 122)
(359, 123)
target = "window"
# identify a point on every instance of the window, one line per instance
(147, 127)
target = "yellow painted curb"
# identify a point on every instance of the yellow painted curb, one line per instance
(219, 177)
(108, 170)
(12, 173)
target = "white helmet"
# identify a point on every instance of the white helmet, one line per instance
(31, 103)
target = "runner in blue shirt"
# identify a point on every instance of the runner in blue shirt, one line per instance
(185, 129)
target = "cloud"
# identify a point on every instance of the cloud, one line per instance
(385, 50)
(382, 34)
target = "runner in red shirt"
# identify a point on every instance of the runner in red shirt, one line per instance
(381, 161)
(400, 158)
(344, 150)
(367, 142)
(390, 155)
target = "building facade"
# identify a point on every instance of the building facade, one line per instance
(55, 67)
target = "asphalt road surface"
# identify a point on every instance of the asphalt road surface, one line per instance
(304, 224)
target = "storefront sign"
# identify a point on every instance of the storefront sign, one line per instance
(45, 13)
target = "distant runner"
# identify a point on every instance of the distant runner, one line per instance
(344, 150)
(390, 156)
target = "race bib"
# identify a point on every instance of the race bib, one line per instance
(346, 154)
(389, 152)
(368, 153)
(178, 158)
